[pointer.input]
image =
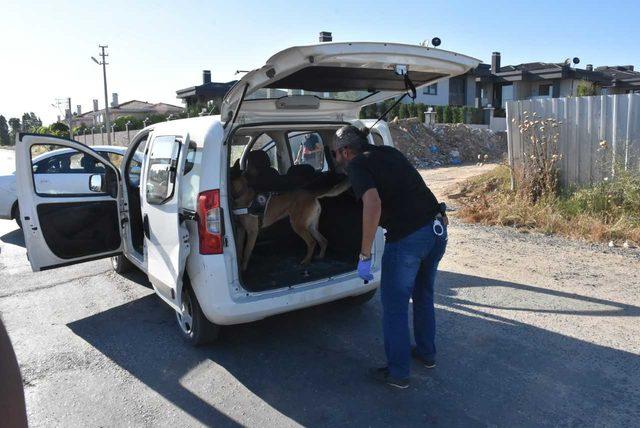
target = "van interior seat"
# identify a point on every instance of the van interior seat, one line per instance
(265, 178)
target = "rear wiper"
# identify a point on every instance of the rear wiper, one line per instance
(235, 113)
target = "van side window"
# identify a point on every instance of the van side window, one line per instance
(307, 148)
(161, 170)
(65, 171)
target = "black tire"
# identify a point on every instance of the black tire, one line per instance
(121, 264)
(195, 328)
(361, 299)
(15, 212)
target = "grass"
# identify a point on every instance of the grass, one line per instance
(609, 211)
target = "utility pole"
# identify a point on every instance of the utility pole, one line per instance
(103, 63)
(69, 117)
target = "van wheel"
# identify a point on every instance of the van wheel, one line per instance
(15, 212)
(194, 326)
(361, 299)
(121, 264)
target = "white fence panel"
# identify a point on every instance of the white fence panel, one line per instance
(585, 123)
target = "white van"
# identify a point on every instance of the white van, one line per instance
(176, 223)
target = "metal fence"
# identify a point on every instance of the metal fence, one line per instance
(586, 122)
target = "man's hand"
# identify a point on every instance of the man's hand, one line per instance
(364, 270)
(445, 220)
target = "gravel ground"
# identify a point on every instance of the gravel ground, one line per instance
(532, 331)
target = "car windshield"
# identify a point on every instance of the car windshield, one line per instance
(269, 93)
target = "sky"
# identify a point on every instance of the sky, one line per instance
(158, 47)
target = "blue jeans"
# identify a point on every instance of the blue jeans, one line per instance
(409, 269)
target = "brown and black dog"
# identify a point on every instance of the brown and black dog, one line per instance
(300, 205)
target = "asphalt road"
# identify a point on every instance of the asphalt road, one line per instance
(533, 331)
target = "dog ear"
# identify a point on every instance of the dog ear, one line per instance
(235, 169)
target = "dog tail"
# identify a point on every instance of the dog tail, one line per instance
(336, 190)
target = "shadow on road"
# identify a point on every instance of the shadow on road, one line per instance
(309, 365)
(15, 237)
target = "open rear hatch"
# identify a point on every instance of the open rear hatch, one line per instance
(332, 81)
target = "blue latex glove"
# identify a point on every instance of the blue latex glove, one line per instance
(364, 270)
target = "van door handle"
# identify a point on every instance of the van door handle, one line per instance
(145, 226)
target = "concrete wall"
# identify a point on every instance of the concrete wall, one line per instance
(568, 87)
(119, 138)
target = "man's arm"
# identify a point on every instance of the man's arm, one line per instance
(372, 209)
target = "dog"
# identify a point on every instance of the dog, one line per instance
(300, 205)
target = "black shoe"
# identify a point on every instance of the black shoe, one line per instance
(428, 363)
(382, 375)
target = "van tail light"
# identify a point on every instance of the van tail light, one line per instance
(210, 222)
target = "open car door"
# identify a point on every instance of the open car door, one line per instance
(332, 81)
(74, 216)
(166, 237)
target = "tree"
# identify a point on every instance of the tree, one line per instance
(59, 129)
(420, 109)
(586, 89)
(404, 111)
(30, 122)
(14, 125)
(448, 114)
(4, 132)
(439, 114)
(411, 110)
(458, 114)
(122, 121)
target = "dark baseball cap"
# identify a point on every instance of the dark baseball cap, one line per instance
(350, 135)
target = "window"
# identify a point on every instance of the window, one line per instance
(161, 172)
(307, 148)
(506, 95)
(59, 170)
(430, 90)
(190, 180)
(544, 90)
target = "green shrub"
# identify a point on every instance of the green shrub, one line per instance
(404, 111)
(458, 114)
(440, 114)
(121, 121)
(448, 114)
(411, 110)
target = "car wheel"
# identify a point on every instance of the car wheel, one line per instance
(121, 264)
(361, 299)
(15, 212)
(194, 326)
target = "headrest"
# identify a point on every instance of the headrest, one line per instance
(257, 159)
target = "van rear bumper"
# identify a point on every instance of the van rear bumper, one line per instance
(252, 309)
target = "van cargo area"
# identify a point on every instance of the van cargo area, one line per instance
(275, 261)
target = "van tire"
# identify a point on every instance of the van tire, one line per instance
(121, 264)
(200, 331)
(15, 213)
(361, 299)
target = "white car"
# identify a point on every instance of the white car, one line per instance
(179, 225)
(63, 171)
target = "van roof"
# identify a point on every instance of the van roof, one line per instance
(198, 128)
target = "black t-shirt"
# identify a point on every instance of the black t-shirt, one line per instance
(407, 203)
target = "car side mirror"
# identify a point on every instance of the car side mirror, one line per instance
(96, 183)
